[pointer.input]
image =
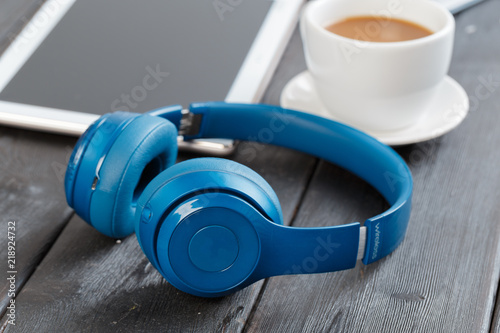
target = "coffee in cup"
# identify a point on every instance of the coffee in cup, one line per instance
(378, 29)
(376, 86)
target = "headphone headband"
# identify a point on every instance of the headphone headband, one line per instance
(349, 148)
(213, 226)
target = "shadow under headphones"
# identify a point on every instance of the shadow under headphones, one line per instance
(211, 226)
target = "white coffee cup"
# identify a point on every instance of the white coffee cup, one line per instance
(371, 85)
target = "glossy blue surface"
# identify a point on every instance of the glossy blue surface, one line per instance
(84, 183)
(225, 210)
(213, 226)
(76, 159)
(89, 152)
(146, 147)
(210, 176)
(92, 147)
(345, 146)
(213, 248)
(264, 248)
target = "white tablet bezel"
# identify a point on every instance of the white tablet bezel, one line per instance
(248, 87)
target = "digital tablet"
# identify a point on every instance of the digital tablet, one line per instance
(76, 60)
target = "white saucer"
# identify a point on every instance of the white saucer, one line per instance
(449, 109)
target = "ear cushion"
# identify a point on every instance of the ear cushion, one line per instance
(87, 156)
(147, 146)
(221, 165)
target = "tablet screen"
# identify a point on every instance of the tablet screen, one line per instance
(139, 55)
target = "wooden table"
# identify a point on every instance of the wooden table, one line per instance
(443, 278)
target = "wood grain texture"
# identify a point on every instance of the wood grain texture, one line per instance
(444, 277)
(31, 180)
(28, 188)
(89, 283)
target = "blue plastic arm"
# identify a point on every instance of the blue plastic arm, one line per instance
(288, 250)
(347, 147)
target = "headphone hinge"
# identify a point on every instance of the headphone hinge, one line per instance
(190, 123)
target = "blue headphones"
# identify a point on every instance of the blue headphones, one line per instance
(212, 226)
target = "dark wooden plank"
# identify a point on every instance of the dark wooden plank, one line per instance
(28, 190)
(88, 282)
(31, 194)
(444, 276)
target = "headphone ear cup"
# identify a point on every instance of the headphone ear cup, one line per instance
(270, 207)
(241, 170)
(198, 223)
(146, 147)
